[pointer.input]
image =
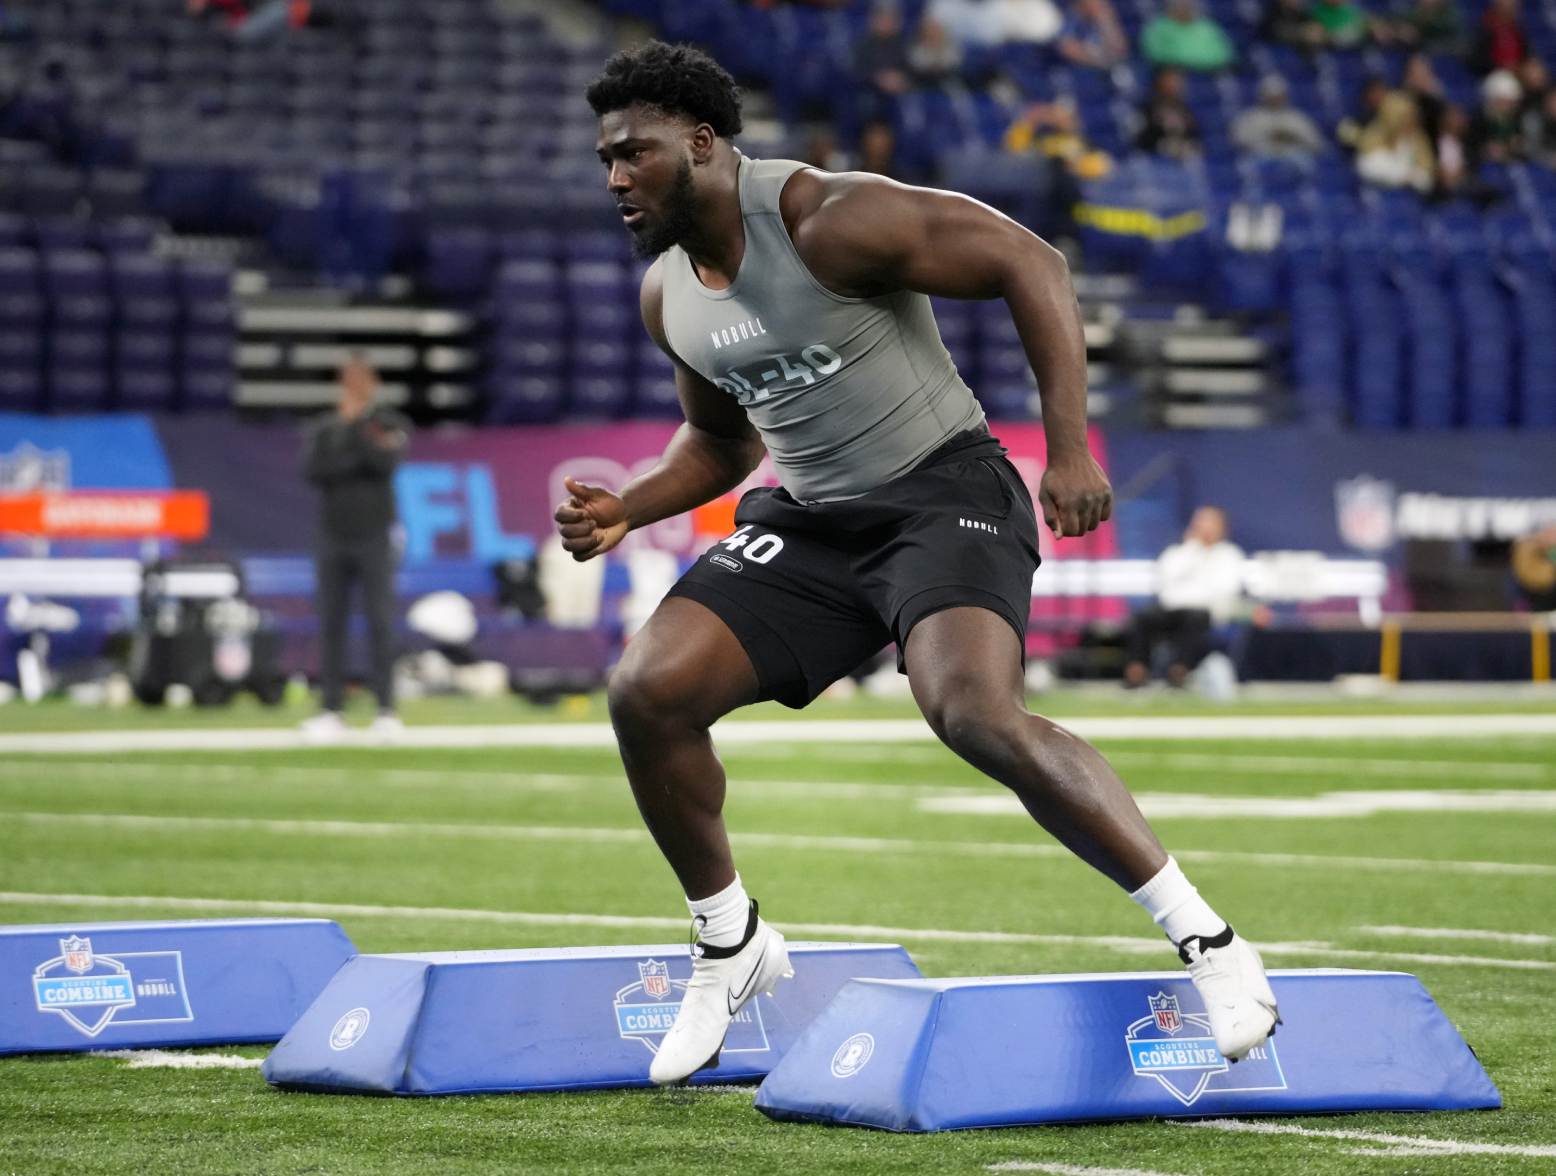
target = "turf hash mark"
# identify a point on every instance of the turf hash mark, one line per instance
(1416, 1145)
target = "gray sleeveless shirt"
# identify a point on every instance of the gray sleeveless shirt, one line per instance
(847, 393)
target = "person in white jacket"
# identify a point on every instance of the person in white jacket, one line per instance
(1199, 585)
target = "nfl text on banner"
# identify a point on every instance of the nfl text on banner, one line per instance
(76, 986)
(541, 1019)
(938, 1055)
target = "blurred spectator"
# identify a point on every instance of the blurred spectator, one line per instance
(1534, 569)
(984, 24)
(252, 22)
(1291, 23)
(1540, 131)
(1496, 131)
(881, 59)
(1092, 38)
(1502, 43)
(235, 12)
(934, 57)
(1429, 26)
(1275, 128)
(1199, 584)
(1393, 151)
(1168, 126)
(1535, 81)
(351, 457)
(1426, 90)
(1452, 153)
(1184, 38)
(822, 149)
(1053, 130)
(878, 148)
(1344, 24)
(1374, 90)
(972, 24)
(1035, 22)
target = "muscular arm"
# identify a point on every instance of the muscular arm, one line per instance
(863, 236)
(711, 453)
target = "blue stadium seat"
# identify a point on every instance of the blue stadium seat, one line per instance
(144, 290)
(145, 389)
(206, 388)
(73, 388)
(517, 398)
(21, 289)
(75, 283)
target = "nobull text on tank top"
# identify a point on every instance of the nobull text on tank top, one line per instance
(847, 393)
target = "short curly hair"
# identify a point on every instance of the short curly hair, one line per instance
(678, 79)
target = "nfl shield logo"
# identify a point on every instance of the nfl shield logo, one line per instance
(77, 953)
(656, 979)
(1164, 1009)
(1364, 512)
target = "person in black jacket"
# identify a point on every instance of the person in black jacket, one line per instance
(351, 457)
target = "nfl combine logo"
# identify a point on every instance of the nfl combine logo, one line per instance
(656, 979)
(77, 954)
(1164, 1009)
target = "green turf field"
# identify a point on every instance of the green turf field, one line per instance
(437, 848)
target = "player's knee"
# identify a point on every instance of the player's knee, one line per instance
(645, 697)
(969, 718)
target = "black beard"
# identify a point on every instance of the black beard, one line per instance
(678, 219)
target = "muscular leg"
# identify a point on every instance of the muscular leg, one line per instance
(681, 672)
(964, 665)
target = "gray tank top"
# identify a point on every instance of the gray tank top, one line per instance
(847, 393)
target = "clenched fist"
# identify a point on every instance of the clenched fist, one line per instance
(591, 521)
(1074, 494)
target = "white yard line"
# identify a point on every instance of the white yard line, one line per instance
(1527, 938)
(1416, 1144)
(161, 1059)
(1169, 805)
(488, 832)
(738, 732)
(1069, 1169)
(1125, 944)
(1324, 861)
(99, 771)
(786, 841)
(1217, 764)
(1298, 765)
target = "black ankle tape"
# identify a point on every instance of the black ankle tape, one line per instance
(709, 952)
(1205, 942)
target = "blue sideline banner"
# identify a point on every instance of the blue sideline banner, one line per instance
(1347, 494)
(541, 1019)
(942, 1055)
(82, 986)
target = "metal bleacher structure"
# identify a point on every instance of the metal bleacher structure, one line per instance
(440, 153)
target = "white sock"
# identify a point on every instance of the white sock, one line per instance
(1171, 900)
(724, 915)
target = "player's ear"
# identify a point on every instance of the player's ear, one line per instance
(702, 142)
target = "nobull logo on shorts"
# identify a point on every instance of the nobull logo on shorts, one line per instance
(646, 1011)
(1178, 1050)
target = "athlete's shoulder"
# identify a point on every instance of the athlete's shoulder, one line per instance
(810, 193)
(846, 227)
(651, 300)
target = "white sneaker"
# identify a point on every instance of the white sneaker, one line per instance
(719, 988)
(1230, 978)
(386, 727)
(324, 727)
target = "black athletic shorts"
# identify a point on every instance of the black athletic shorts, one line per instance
(813, 590)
